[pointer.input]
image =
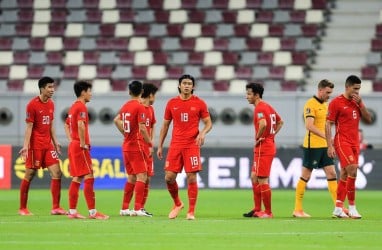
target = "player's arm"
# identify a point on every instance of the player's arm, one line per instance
(261, 128)
(279, 125)
(152, 136)
(145, 133)
(207, 128)
(328, 135)
(309, 125)
(81, 134)
(67, 132)
(118, 123)
(162, 136)
(56, 144)
(27, 137)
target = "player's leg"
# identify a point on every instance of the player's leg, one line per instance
(300, 192)
(350, 186)
(174, 165)
(128, 189)
(331, 177)
(24, 190)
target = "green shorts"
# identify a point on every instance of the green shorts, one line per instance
(316, 158)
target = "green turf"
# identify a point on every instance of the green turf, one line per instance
(219, 224)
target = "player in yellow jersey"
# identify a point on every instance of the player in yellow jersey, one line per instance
(315, 146)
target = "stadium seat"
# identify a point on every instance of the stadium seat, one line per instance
(282, 58)
(208, 30)
(6, 43)
(243, 72)
(220, 44)
(241, 30)
(141, 29)
(35, 71)
(286, 4)
(160, 58)
(255, 44)
(222, 85)
(119, 85)
(195, 15)
(265, 58)
(42, 15)
(174, 30)
(119, 43)
(169, 87)
(110, 16)
(208, 72)
(310, 30)
(70, 71)
(276, 72)
(25, 15)
(29, 86)
(57, 29)
(4, 71)
(15, 85)
(213, 58)
(107, 30)
(40, 30)
(237, 87)
(126, 15)
(139, 72)
(71, 43)
(187, 44)
(37, 43)
(143, 58)
(156, 72)
(137, 44)
(276, 30)
(196, 58)
(204, 44)
(104, 71)
(289, 85)
(220, 4)
(23, 29)
(294, 72)
(21, 57)
(288, 43)
(224, 72)
(154, 44)
(18, 72)
(101, 86)
(297, 16)
(264, 16)
(174, 72)
(178, 16)
(6, 57)
(93, 16)
(54, 57)
(376, 44)
(229, 16)
(377, 86)
(230, 58)
(369, 72)
(87, 72)
(126, 57)
(299, 58)
(191, 30)
(122, 4)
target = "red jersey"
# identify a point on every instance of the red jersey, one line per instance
(186, 115)
(78, 112)
(150, 119)
(41, 114)
(265, 111)
(132, 114)
(346, 115)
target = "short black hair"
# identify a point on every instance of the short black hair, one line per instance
(135, 87)
(80, 86)
(148, 89)
(44, 81)
(257, 88)
(186, 76)
(351, 80)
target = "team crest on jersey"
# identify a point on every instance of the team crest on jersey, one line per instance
(307, 111)
(143, 116)
(83, 115)
(260, 115)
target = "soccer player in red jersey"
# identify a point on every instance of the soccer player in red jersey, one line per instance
(131, 122)
(80, 162)
(148, 99)
(345, 112)
(41, 147)
(186, 111)
(267, 124)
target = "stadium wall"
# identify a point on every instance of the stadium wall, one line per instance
(223, 168)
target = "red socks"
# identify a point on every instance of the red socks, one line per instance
(73, 194)
(55, 189)
(192, 196)
(24, 189)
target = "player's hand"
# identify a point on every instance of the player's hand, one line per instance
(357, 98)
(58, 148)
(85, 147)
(160, 153)
(331, 152)
(23, 153)
(259, 140)
(199, 140)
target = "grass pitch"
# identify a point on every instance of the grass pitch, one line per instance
(219, 223)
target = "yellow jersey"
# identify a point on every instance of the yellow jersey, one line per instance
(317, 109)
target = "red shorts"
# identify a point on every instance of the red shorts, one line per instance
(189, 158)
(80, 162)
(135, 162)
(41, 158)
(347, 155)
(262, 165)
